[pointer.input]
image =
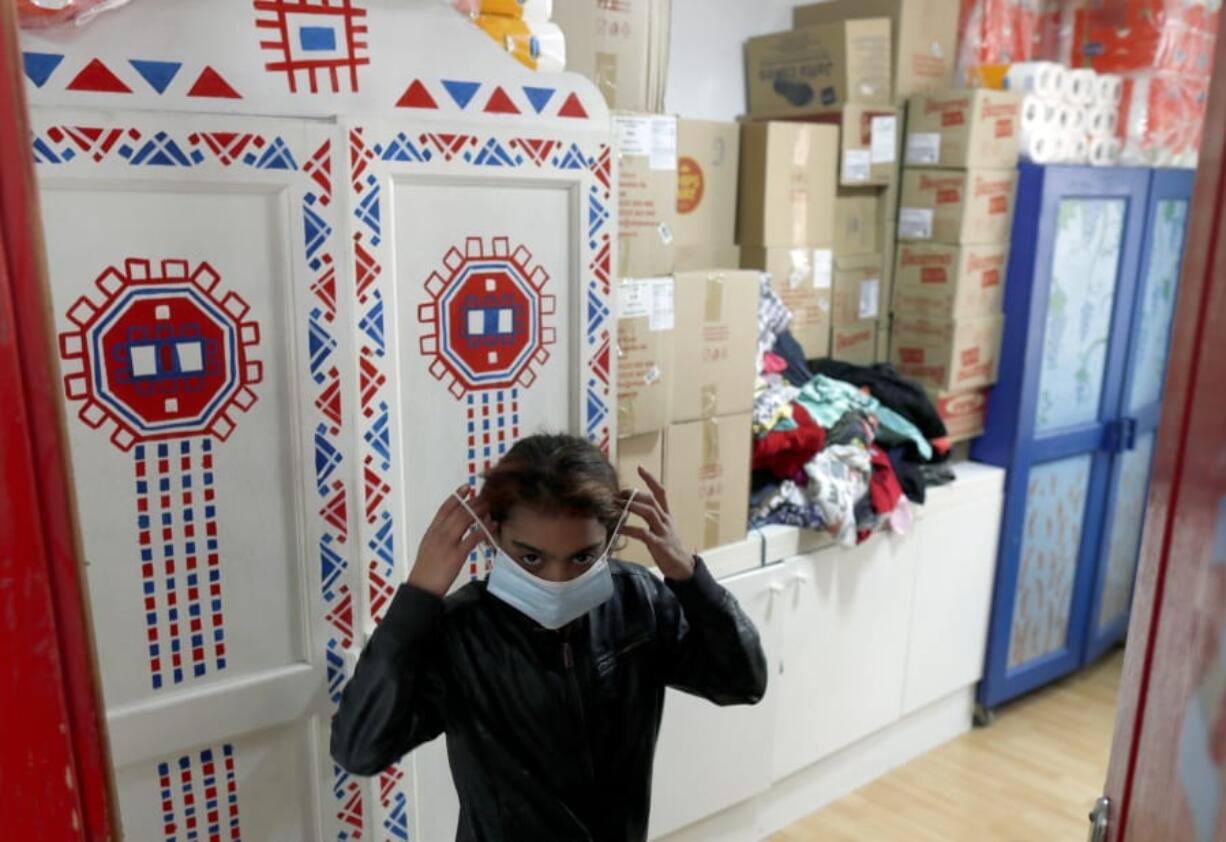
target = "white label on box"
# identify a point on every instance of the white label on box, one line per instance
(663, 143)
(870, 293)
(634, 135)
(634, 299)
(663, 309)
(857, 165)
(666, 233)
(799, 270)
(923, 148)
(883, 132)
(652, 375)
(823, 268)
(915, 223)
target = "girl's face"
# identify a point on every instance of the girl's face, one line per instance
(556, 548)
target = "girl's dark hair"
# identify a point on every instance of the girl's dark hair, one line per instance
(554, 472)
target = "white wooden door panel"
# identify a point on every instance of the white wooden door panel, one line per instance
(708, 757)
(954, 569)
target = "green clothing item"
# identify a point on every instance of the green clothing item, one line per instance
(827, 400)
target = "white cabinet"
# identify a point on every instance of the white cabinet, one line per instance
(843, 657)
(711, 757)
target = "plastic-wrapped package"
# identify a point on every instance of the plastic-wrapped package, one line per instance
(533, 10)
(994, 34)
(539, 45)
(36, 14)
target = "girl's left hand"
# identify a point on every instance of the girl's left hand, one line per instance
(660, 534)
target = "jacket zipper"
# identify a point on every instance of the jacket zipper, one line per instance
(568, 661)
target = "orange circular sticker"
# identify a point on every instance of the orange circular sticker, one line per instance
(689, 185)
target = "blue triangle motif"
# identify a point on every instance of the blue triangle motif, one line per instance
(276, 157)
(158, 74)
(372, 324)
(320, 345)
(45, 154)
(336, 673)
(40, 66)
(382, 542)
(332, 565)
(493, 155)
(397, 822)
(461, 92)
(597, 312)
(597, 215)
(161, 151)
(367, 213)
(326, 458)
(379, 437)
(317, 231)
(402, 149)
(573, 160)
(539, 97)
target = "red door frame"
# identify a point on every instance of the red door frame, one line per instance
(54, 769)
(1187, 483)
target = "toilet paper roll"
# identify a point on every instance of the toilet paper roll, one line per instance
(1042, 147)
(1077, 120)
(1100, 121)
(1034, 77)
(1080, 87)
(1109, 89)
(1104, 152)
(1037, 112)
(1077, 150)
(1062, 119)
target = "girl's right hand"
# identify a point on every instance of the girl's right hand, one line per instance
(450, 539)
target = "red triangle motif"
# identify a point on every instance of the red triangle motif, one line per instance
(500, 103)
(538, 150)
(211, 84)
(572, 108)
(96, 76)
(94, 141)
(416, 96)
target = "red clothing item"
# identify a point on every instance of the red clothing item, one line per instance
(784, 452)
(884, 486)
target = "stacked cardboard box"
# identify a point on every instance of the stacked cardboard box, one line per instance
(954, 224)
(787, 227)
(708, 155)
(621, 46)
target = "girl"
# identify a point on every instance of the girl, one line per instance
(548, 678)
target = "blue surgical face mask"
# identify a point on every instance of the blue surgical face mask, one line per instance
(552, 604)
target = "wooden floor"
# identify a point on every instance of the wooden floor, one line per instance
(1032, 776)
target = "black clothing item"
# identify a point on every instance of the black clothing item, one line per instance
(888, 386)
(550, 734)
(937, 475)
(909, 473)
(797, 372)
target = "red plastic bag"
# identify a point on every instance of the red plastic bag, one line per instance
(36, 14)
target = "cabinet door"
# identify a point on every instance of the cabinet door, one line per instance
(1141, 404)
(844, 648)
(1068, 311)
(710, 758)
(190, 262)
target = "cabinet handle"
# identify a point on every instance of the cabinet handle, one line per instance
(776, 589)
(800, 579)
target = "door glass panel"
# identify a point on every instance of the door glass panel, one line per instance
(1157, 292)
(1055, 507)
(1086, 255)
(1127, 521)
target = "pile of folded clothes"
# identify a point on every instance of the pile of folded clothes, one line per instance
(837, 447)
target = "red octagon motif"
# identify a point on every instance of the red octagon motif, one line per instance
(164, 354)
(492, 330)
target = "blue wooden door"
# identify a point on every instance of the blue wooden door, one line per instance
(1140, 405)
(1068, 309)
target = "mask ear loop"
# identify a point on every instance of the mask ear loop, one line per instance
(620, 522)
(476, 520)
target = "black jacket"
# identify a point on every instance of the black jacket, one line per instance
(550, 734)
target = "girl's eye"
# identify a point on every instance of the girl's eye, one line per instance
(530, 559)
(584, 559)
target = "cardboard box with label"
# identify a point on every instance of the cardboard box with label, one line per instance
(964, 129)
(854, 343)
(708, 155)
(622, 47)
(964, 413)
(869, 144)
(803, 278)
(924, 37)
(787, 184)
(858, 221)
(857, 289)
(644, 355)
(956, 206)
(645, 450)
(819, 69)
(933, 280)
(715, 343)
(706, 474)
(647, 194)
(947, 355)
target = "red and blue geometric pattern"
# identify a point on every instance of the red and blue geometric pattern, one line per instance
(193, 807)
(492, 427)
(96, 76)
(321, 42)
(177, 532)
